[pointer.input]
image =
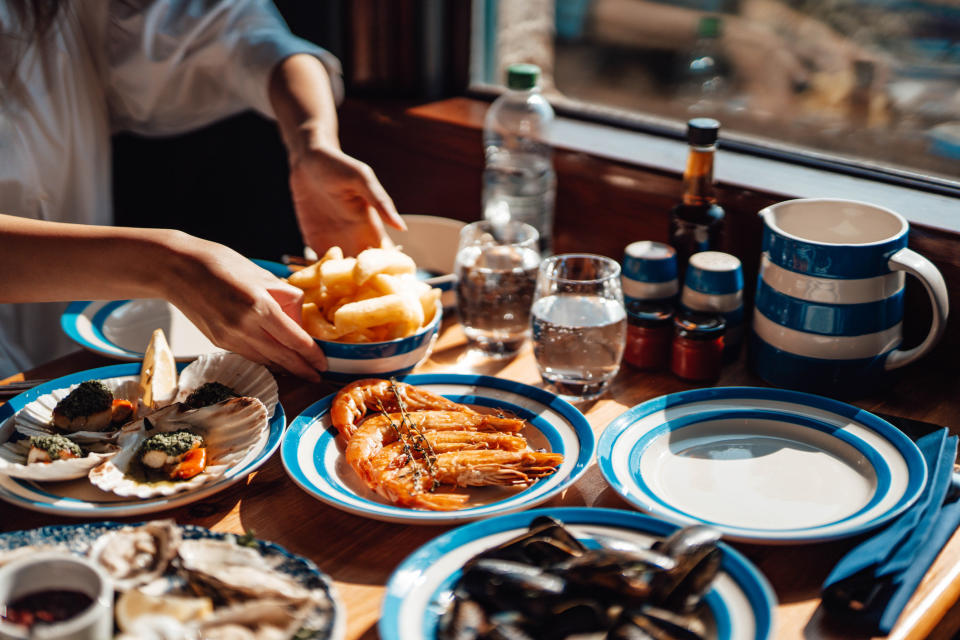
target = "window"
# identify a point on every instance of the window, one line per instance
(863, 83)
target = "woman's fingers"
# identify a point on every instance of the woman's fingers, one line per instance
(374, 193)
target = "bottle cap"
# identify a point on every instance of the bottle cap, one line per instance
(709, 27)
(699, 326)
(650, 314)
(702, 132)
(522, 76)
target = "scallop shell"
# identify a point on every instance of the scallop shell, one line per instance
(36, 419)
(13, 463)
(229, 567)
(233, 430)
(134, 556)
(245, 377)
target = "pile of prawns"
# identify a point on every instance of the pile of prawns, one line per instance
(415, 441)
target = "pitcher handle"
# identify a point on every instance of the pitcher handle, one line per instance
(916, 265)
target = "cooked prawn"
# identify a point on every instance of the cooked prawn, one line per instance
(377, 431)
(353, 402)
(410, 482)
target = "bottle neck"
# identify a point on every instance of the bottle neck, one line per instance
(698, 177)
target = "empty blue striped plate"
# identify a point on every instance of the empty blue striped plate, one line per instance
(762, 465)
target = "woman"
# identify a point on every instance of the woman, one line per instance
(73, 72)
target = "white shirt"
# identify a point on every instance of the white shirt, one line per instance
(152, 67)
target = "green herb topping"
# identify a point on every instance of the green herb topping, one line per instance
(87, 399)
(55, 446)
(174, 443)
(210, 393)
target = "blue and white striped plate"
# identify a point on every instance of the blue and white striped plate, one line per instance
(313, 459)
(78, 498)
(762, 465)
(79, 538)
(741, 602)
(122, 329)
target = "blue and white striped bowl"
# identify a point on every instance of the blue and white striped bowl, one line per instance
(649, 271)
(348, 361)
(829, 301)
(740, 604)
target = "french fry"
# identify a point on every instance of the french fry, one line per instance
(370, 313)
(316, 325)
(373, 261)
(306, 278)
(337, 277)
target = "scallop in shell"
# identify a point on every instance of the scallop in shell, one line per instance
(230, 568)
(232, 431)
(134, 556)
(36, 419)
(13, 462)
(243, 376)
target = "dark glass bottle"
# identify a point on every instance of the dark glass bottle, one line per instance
(696, 224)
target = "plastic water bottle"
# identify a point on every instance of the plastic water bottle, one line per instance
(518, 180)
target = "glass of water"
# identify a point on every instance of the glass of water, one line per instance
(496, 269)
(579, 324)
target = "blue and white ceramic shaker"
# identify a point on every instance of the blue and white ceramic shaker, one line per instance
(714, 283)
(649, 272)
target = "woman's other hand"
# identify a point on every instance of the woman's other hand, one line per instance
(338, 199)
(240, 306)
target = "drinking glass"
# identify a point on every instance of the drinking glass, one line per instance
(496, 267)
(579, 324)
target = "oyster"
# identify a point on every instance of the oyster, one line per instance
(134, 556)
(255, 620)
(14, 462)
(238, 572)
(36, 419)
(232, 430)
(246, 378)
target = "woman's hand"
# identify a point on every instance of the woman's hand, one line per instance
(338, 199)
(240, 306)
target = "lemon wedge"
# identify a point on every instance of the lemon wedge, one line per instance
(158, 375)
(135, 604)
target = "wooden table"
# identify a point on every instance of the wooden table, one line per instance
(360, 553)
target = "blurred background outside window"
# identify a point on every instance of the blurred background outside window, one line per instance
(872, 83)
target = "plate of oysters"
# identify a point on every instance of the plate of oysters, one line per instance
(183, 581)
(577, 572)
(135, 438)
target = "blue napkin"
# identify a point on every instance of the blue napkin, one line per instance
(870, 585)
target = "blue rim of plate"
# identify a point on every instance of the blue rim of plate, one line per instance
(409, 576)
(61, 505)
(78, 538)
(310, 438)
(635, 490)
(79, 312)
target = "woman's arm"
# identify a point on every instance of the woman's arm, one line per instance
(338, 199)
(235, 303)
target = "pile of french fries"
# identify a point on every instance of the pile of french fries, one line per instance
(373, 297)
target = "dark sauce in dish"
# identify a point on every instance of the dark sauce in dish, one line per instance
(45, 607)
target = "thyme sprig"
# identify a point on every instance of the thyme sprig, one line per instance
(413, 440)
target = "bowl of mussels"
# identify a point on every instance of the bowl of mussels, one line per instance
(578, 573)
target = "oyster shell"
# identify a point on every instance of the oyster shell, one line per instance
(134, 556)
(233, 430)
(255, 620)
(242, 571)
(36, 419)
(243, 376)
(13, 462)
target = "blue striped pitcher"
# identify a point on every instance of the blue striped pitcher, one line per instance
(829, 302)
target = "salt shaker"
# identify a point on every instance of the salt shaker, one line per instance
(714, 284)
(649, 272)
